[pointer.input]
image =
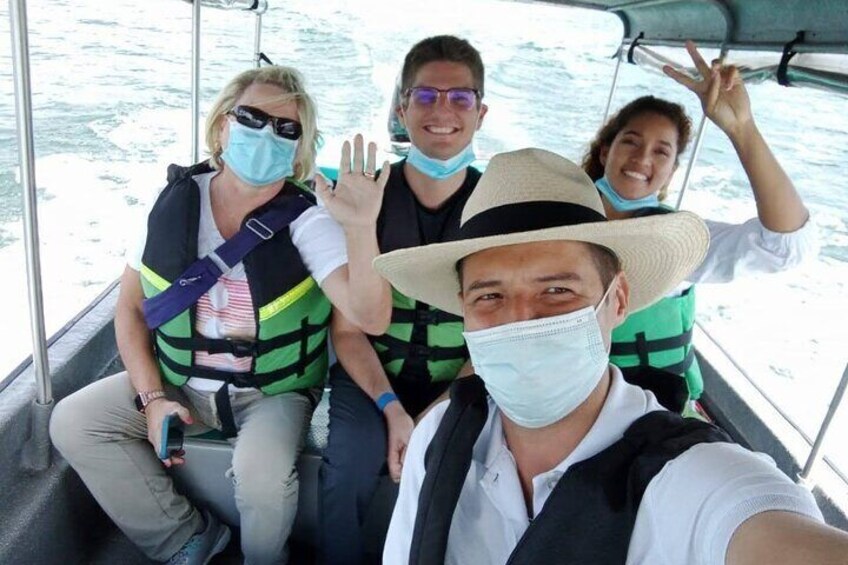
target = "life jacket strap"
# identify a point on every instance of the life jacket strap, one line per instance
(423, 317)
(447, 461)
(242, 347)
(225, 411)
(202, 275)
(682, 366)
(397, 348)
(245, 379)
(651, 345)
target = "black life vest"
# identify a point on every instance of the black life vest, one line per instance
(589, 516)
(290, 310)
(442, 352)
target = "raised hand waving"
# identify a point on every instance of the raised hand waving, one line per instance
(358, 195)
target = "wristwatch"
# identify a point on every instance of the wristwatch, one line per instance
(142, 399)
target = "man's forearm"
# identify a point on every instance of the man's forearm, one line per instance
(360, 361)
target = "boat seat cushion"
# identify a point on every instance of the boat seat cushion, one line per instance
(206, 480)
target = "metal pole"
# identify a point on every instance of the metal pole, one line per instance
(35, 455)
(804, 478)
(23, 108)
(614, 82)
(257, 43)
(195, 80)
(699, 138)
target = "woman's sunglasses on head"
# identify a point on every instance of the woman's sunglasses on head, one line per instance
(459, 98)
(257, 119)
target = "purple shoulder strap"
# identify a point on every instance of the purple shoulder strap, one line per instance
(202, 275)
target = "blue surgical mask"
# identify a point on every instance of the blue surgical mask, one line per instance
(623, 204)
(258, 156)
(438, 168)
(539, 371)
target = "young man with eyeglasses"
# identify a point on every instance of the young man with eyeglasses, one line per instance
(382, 384)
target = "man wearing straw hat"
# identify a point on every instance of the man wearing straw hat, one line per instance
(564, 461)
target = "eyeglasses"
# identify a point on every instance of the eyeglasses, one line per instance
(257, 119)
(459, 98)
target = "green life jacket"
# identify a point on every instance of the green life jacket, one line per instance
(291, 312)
(660, 336)
(398, 227)
(445, 352)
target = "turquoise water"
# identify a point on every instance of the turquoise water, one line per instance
(111, 87)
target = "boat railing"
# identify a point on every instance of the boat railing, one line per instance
(37, 449)
(806, 477)
(816, 455)
(257, 7)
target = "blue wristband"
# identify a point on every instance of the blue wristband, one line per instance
(384, 399)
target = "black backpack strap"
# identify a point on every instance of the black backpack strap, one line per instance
(670, 388)
(447, 461)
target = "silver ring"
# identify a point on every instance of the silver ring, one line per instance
(368, 175)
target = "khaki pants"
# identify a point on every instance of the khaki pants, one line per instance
(104, 438)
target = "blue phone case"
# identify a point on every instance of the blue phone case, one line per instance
(171, 439)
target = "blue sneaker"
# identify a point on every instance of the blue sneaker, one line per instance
(203, 546)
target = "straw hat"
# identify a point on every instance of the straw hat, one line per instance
(534, 195)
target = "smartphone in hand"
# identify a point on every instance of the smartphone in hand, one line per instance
(171, 441)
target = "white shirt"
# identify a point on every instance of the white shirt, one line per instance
(226, 310)
(687, 515)
(750, 248)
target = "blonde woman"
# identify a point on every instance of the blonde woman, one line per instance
(248, 355)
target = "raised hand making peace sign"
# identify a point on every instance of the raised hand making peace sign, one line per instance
(723, 96)
(724, 99)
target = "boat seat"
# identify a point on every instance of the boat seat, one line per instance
(205, 479)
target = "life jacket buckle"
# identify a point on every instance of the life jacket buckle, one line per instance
(259, 229)
(419, 351)
(243, 348)
(426, 317)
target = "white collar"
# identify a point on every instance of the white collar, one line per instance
(625, 403)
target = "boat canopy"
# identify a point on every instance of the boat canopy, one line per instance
(795, 42)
